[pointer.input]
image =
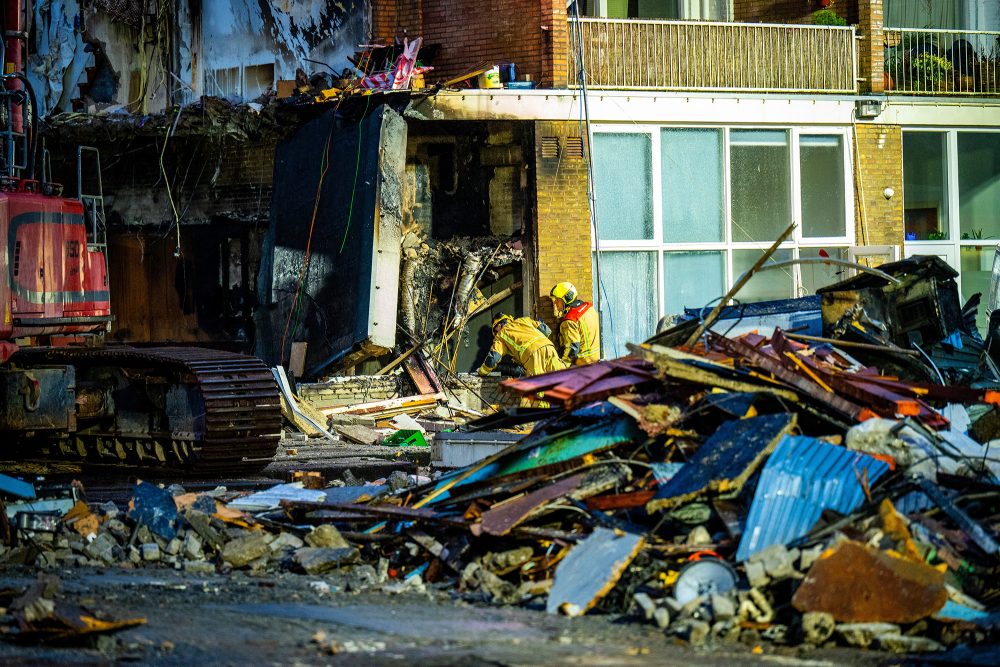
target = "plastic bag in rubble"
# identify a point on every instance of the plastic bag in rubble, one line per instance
(911, 450)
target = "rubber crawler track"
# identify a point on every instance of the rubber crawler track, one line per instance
(241, 399)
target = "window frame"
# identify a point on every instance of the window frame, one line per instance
(727, 245)
(949, 249)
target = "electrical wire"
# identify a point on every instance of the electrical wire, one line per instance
(357, 169)
(588, 158)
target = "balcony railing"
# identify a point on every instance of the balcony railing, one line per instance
(942, 62)
(697, 55)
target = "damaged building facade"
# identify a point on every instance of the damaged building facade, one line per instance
(363, 225)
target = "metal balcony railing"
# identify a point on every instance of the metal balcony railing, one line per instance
(700, 55)
(942, 62)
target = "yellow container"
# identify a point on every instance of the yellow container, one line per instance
(490, 78)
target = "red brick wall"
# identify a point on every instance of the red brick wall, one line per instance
(530, 33)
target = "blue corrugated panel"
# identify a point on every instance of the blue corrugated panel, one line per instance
(803, 477)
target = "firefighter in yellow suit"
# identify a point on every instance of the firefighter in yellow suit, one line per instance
(579, 326)
(527, 342)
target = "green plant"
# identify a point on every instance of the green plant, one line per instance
(936, 236)
(827, 17)
(929, 69)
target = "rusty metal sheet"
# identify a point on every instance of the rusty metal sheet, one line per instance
(725, 460)
(859, 584)
(774, 367)
(500, 518)
(591, 570)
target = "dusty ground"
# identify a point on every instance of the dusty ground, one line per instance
(271, 620)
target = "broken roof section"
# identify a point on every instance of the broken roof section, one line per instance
(127, 57)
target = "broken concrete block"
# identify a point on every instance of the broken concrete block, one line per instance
(317, 560)
(756, 574)
(150, 552)
(285, 541)
(698, 537)
(778, 561)
(241, 552)
(199, 567)
(174, 547)
(863, 634)
(817, 627)
(810, 556)
(723, 607)
(361, 578)
(326, 536)
(646, 604)
(662, 618)
(693, 631)
(101, 548)
(898, 643)
(859, 584)
(202, 524)
(320, 587)
(476, 577)
(398, 480)
(192, 546)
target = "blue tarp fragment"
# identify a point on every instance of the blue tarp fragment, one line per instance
(154, 508)
(803, 477)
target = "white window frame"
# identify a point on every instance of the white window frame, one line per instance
(727, 245)
(949, 249)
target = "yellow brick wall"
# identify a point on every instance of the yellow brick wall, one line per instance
(879, 162)
(562, 218)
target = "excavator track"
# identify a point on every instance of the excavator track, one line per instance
(236, 411)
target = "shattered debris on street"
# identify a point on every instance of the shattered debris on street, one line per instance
(427, 333)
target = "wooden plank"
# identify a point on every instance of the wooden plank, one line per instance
(386, 405)
(297, 359)
(302, 421)
(502, 517)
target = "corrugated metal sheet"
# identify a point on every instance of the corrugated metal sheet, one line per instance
(803, 477)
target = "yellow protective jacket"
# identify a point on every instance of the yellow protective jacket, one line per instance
(524, 340)
(580, 334)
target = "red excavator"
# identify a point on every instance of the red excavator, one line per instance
(64, 393)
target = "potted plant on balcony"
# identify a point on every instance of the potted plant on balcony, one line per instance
(930, 71)
(827, 17)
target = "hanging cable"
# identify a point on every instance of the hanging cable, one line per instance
(588, 155)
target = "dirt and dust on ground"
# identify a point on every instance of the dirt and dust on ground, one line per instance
(289, 619)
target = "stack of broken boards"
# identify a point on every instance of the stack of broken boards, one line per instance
(745, 488)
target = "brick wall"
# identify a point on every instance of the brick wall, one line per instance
(562, 218)
(352, 390)
(790, 11)
(880, 158)
(871, 52)
(530, 33)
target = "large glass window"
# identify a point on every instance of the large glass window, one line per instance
(821, 163)
(951, 184)
(683, 211)
(925, 202)
(691, 168)
(979, 185)
(628, 299)
(692, 279)
(761, 183)
(624, 183)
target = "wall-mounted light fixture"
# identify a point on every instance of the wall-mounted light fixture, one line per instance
(868, 108)
(888, 193)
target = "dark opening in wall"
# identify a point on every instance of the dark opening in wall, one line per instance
(467, 178)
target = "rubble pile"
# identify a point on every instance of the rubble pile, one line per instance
(778, 489)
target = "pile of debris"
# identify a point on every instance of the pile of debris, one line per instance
(780, 488)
